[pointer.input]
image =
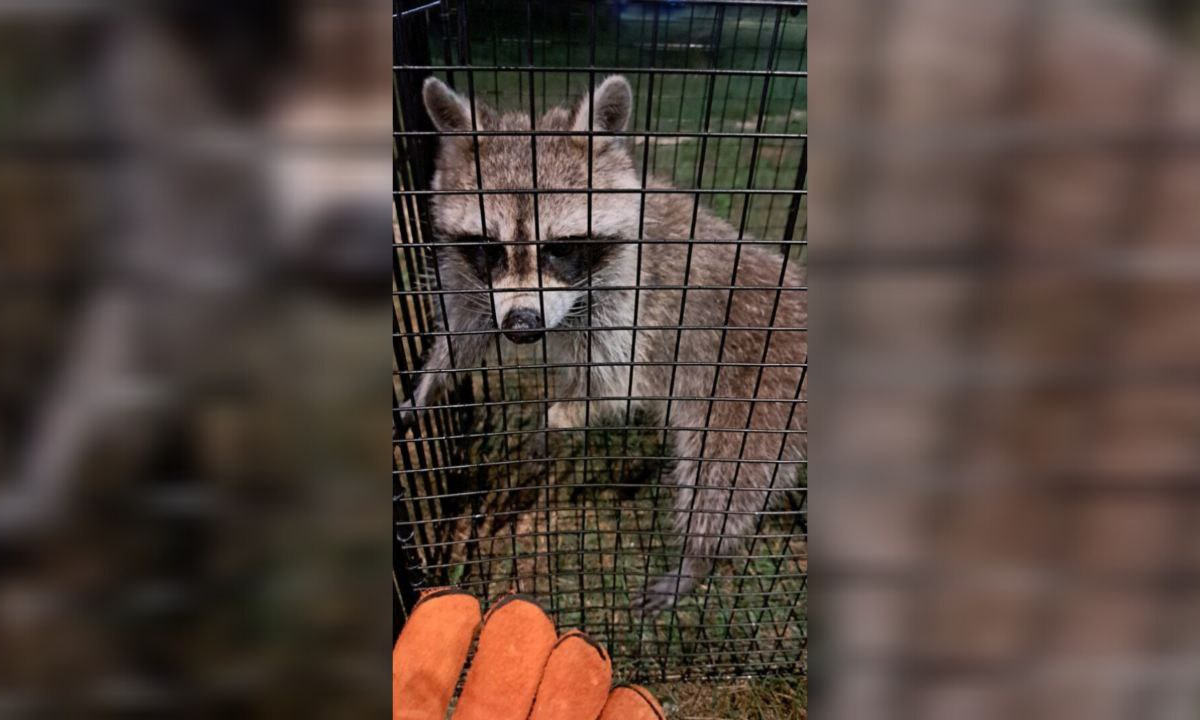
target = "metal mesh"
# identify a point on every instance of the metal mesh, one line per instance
(485, 496)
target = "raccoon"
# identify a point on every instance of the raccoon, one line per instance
(578, 278)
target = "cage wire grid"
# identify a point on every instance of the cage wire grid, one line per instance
(485, 496)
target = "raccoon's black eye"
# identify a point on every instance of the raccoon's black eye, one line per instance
(483, 253)
(564, 247)
(483, 246)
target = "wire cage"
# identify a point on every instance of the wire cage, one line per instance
(487, 494)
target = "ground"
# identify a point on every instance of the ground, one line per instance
(754, 699)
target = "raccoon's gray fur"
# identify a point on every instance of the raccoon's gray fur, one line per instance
(716, 498)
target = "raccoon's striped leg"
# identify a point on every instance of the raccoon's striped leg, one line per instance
(700, 530)
(439, 372)
(431, 381)
(701, 544)
(711, 513)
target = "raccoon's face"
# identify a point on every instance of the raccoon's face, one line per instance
(537, 253)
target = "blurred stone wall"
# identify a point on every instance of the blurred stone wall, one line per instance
(194, 233)
(1005, 406)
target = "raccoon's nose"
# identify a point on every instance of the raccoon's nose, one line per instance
(522, 325)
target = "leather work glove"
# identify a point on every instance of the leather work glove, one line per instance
(522, 670)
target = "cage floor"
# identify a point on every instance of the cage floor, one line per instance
(581, 536)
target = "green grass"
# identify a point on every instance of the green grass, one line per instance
(776, 698)
(682, 38)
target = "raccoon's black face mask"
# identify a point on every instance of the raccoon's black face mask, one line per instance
(568, 261)
(536, 250)
(545, 282)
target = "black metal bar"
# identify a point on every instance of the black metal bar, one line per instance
(583, 69)
(609, 191)
(413, 158)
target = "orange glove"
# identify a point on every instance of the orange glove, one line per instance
(522, 669)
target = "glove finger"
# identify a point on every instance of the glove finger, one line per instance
(576, 680)
(514, 644)
(632, 702)
(430, 653)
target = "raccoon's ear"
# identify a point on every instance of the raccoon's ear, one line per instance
(451, 112)
(613, 102)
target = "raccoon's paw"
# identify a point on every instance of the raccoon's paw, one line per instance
(406, 417)
(662, 594)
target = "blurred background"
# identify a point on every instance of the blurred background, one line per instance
(194, 407)
(1005, 406)
(1004, 412)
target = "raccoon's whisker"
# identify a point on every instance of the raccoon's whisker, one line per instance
(478, 310)
(579, 308)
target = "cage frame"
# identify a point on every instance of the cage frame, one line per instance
(447, 426)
